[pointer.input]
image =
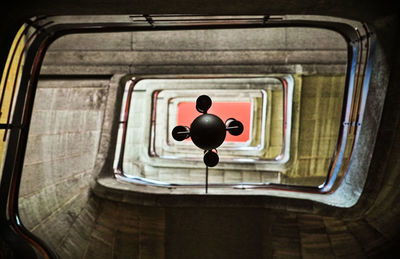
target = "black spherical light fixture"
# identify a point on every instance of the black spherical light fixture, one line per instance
(208, 132)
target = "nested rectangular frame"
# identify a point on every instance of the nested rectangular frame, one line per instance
(239, 147)
(218, 96)
(279, 164)
(275, 163)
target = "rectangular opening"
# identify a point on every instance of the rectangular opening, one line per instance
(241, 111)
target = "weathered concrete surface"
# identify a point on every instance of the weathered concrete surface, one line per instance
(198, 51)
(61, 151)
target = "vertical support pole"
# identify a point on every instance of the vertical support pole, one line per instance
(206, 179)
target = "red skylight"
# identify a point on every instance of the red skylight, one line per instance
(240, 111)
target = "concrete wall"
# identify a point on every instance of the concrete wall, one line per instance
(320, 118)
(120, 230)
(198, 52)
(62, 147)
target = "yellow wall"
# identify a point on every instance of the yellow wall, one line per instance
(8, 86)
(320, 114)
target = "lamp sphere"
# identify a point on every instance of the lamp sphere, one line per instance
(208, 131)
